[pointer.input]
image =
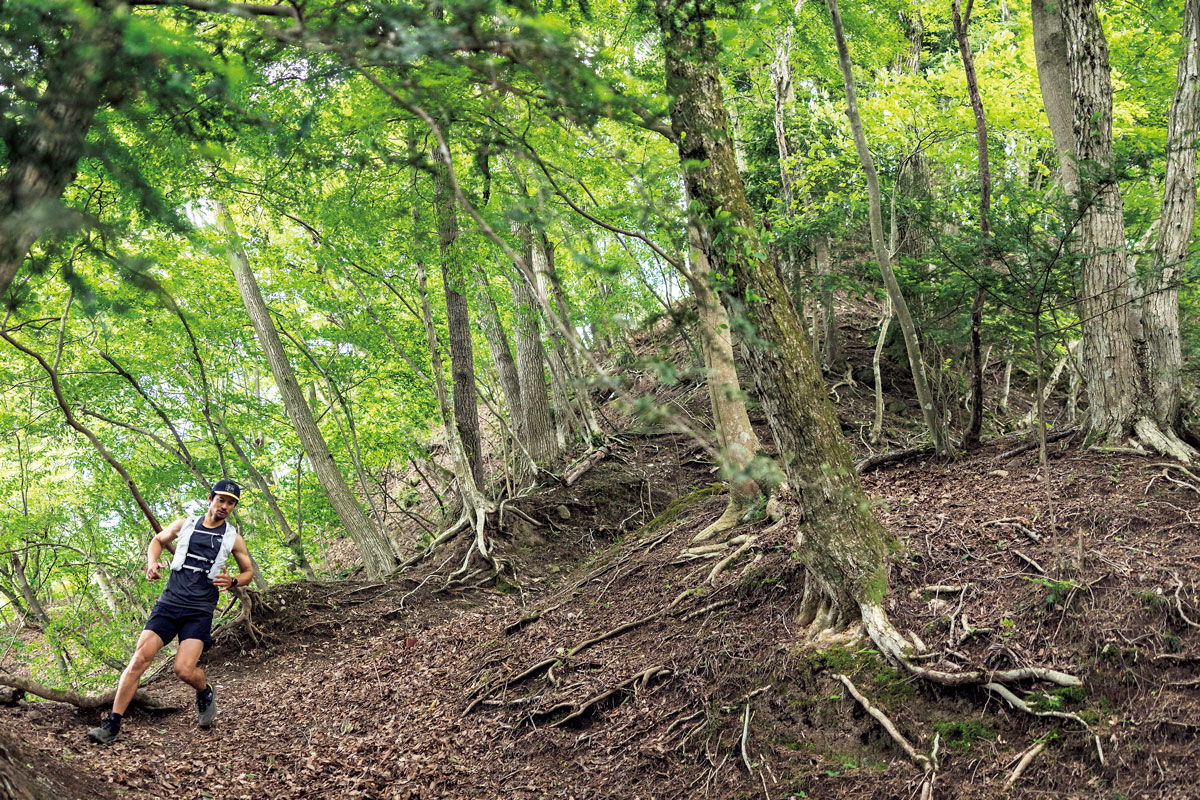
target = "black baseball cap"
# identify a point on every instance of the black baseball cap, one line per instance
(229, 489)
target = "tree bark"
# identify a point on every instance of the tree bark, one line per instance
(33, 606)
(933, 419)
(373, 547)
(1107, 316)
(551, 286)
(961, 23)
(566, 417)
(1054, 77)
(735, 435)
(458, 323)
(839, 540)
(831, 343)
(531, 357)
(885, 322)
(1161, 303)
(502, 358)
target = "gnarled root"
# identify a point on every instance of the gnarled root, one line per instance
(85, 701)
(1163, 441)
(727, 521)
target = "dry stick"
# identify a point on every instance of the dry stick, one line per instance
(745, 734)
(1025, 761)
(917, 758)
(1029, 561)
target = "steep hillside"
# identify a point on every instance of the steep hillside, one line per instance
(616, 665)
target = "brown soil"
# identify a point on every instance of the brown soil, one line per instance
(363, 690)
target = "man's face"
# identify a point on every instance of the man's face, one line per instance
(220, 505)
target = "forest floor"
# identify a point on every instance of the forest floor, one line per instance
(407, 690)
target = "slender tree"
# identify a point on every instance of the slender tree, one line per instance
(373, 547)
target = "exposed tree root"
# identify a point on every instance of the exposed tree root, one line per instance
(923, 762)
(727, 521)
(633, 683)
(85, 701)
(483, 692)
(1163, 441)
(1026, 759)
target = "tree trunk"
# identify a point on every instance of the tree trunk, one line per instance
(373, 547)
(831, 343)
(44, 150)
(1118, 388)
(933, 419)
(1054, 77)
(961, 23)
(497, 339)
(550, 285)
(736, 437)
(565, 417)
(885, 322)
(104, 583)
(839, 540)
(33, 606)
(458, 323)
(1161, 304)
(531, 359)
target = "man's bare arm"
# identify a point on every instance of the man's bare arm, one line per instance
(245, 567)
(154, 551)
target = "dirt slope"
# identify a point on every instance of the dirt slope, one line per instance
(406, 691)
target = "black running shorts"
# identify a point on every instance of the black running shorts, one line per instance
(169, 621)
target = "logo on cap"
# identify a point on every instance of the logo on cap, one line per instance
(229, 489)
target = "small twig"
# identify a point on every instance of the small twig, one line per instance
(1029, 561)
(745, 735)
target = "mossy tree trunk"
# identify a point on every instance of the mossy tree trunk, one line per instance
(839, 540)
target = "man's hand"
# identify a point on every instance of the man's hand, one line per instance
(152, 571)
(225, 581)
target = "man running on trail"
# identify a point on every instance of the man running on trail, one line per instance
(186, 606)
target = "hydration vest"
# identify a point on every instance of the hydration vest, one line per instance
(180, 561)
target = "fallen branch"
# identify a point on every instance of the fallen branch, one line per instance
(875, 462)
(1051, 438)
(85, 701)
(1029, 561)
(579, 470)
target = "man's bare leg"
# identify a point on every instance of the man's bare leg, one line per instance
(148, 645)
(187, 659)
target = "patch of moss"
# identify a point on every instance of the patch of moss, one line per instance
(892, 687)
(673, 511)
(1056, 699)
(959, 735)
